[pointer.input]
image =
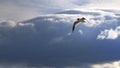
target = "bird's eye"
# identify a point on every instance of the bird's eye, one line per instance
(78, 19)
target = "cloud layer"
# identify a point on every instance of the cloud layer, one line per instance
(20, 10)
(47, 41)
(115, 64)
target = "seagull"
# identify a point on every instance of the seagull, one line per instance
(82, 20)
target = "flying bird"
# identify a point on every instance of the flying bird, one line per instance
(82, 20)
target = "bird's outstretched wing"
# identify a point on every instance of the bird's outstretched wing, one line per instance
(73, 28)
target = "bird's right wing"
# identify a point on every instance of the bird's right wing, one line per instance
(73, 28)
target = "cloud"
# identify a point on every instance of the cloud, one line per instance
(11, 10)
(80, 31)
(8, 24)
(108, 4)
(21, 10)
(109, 34)
(114, 64)
(47, 41)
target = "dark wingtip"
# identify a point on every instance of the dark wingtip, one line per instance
(73, 30)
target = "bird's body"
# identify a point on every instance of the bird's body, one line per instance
(82, 20)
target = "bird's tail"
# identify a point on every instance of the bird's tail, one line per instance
(87, 21)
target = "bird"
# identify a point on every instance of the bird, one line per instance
(82, 20)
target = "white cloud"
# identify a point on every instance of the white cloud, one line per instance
(12, 24)
(26, 24)
(114, 64)
(109, 34)
(20, 10)
(103, 4)
(7, 24)
(80, 31)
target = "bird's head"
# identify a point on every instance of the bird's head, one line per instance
(83, 18)
(78, 18)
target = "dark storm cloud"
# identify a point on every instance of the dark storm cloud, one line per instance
(46, 41)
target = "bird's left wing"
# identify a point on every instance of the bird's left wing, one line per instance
(73, 28)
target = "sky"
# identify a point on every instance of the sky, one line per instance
(19, 10)
(37, 34)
